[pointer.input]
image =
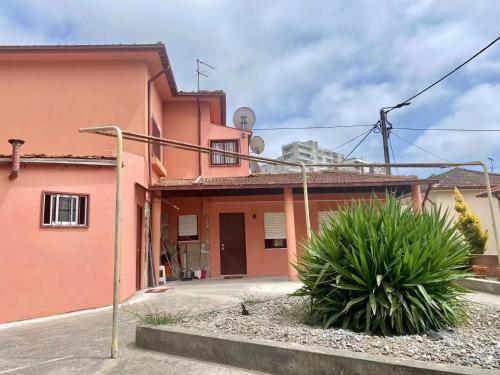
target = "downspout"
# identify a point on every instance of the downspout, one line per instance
(199, 130)
(16, 157)
(150, 83)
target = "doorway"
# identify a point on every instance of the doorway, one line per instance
(233, 259)
(138, 248)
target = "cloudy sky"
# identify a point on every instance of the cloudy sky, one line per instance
(310, 63)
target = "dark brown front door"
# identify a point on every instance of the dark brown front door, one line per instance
(138, 249)
(233, 259)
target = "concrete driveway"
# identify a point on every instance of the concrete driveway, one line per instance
(80, 343)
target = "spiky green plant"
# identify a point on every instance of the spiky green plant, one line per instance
(382, 268)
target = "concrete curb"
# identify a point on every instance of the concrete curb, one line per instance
(480, 285)
(282, 358)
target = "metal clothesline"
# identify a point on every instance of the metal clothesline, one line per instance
(120, 135)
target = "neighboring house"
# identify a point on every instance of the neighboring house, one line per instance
(471, 184)
(208, 211)
(364, 166)
(306, 152)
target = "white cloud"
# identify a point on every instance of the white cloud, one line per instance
(304, 63)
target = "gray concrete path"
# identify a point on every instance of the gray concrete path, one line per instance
(80, 344)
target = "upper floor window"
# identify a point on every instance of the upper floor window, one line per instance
(61, 209)
(226, 145)
(156, 146)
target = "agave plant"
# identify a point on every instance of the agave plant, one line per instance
(380, 267)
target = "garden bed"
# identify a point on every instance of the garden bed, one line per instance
(476, 344)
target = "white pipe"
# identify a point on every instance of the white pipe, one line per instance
(306, 200)
(118, 203)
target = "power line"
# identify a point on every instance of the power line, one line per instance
(359, 143)
(316, 127)
(449, 129)
(393, 157)
(421, 148)
(397, 128)
(445, 76)
(350, 140)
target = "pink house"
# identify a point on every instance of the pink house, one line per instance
(205, 213)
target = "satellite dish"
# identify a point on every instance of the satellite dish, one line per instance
(244, 118)
(257, 145)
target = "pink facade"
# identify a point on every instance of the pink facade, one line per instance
(47, 94)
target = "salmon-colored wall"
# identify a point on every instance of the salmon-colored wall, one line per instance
(260, 261)
(180, 122)
(46, 271)
(45, 103)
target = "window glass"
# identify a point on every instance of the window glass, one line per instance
(226, 145)
(64, 209)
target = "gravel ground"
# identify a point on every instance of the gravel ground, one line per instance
(476, 344)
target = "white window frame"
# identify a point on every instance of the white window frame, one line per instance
(54, 211)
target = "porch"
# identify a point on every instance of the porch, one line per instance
(236, 229)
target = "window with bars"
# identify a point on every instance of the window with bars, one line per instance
(226, 145)
(61, 209)
(156, 146)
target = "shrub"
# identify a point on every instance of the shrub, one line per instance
(381, 268)
(470, 226)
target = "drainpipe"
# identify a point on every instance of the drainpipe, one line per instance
(150, 83)
(16, 157)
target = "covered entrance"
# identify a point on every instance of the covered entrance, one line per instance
(233, 259)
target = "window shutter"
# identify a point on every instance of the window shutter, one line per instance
(188, 225)
(274, 225)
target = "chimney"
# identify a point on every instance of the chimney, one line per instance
(16, 157)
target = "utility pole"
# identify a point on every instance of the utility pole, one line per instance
(385, 139)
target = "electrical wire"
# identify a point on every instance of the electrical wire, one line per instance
(392, 152)
(397, 128)
(421, 148)
(445, 76)
(315, 127)
(449, 129)
(349, 141)
(359, 143)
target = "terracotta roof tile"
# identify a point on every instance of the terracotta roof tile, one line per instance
(280, 179)
(463, 178)
(495, 191)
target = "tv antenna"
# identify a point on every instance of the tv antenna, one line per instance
(492, 169)
(201, 72)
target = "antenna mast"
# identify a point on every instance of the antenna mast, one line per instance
(201, 72)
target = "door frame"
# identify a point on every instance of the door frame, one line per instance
(244, 261)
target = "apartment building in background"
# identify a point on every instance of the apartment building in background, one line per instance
(310, 153)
